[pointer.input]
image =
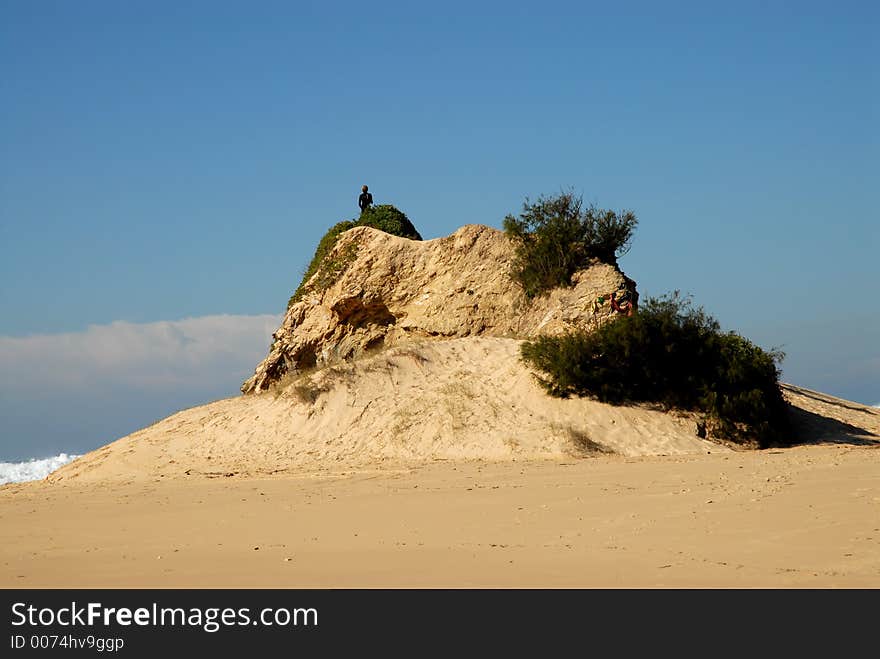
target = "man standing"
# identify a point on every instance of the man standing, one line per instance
(365, 200)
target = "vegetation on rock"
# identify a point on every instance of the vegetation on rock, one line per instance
(676, 355)
(384, 217)
(389, 219)
(557, 236)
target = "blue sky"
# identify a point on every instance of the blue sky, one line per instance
(167, 164)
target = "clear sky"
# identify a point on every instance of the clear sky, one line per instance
(167, 168)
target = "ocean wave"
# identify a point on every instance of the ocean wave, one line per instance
(33, 469)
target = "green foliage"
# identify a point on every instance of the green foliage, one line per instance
(385, 218)
(672, 354)
(325, 246)
(557, 236)
(332, 268)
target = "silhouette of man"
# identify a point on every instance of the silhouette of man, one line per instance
(365, 200)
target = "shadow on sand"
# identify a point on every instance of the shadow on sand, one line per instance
(828, 400)
(811, 428)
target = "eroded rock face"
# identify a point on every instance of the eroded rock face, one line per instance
(389, 290)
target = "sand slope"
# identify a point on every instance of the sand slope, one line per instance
(457, 399)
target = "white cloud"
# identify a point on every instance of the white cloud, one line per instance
(156, 355)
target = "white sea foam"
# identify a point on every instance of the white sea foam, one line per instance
(32, 470)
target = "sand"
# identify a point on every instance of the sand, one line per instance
(459, 399)
(436, 469)
(801, 517)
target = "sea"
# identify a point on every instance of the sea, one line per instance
(33, 469)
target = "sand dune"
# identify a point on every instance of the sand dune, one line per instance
(444, 465)
(458, 399)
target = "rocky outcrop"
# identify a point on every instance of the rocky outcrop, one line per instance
(384, 290)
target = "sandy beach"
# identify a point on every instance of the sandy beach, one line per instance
(807, 516)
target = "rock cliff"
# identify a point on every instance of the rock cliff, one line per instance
(375, 289)
(468, 396)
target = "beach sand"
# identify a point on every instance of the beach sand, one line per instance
(807, 516)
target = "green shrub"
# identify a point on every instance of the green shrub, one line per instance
(672, 354)
(385, 218)
(556, 236)
(325, 246)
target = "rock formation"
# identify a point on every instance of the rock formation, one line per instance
(467, 397)
(381, 290)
